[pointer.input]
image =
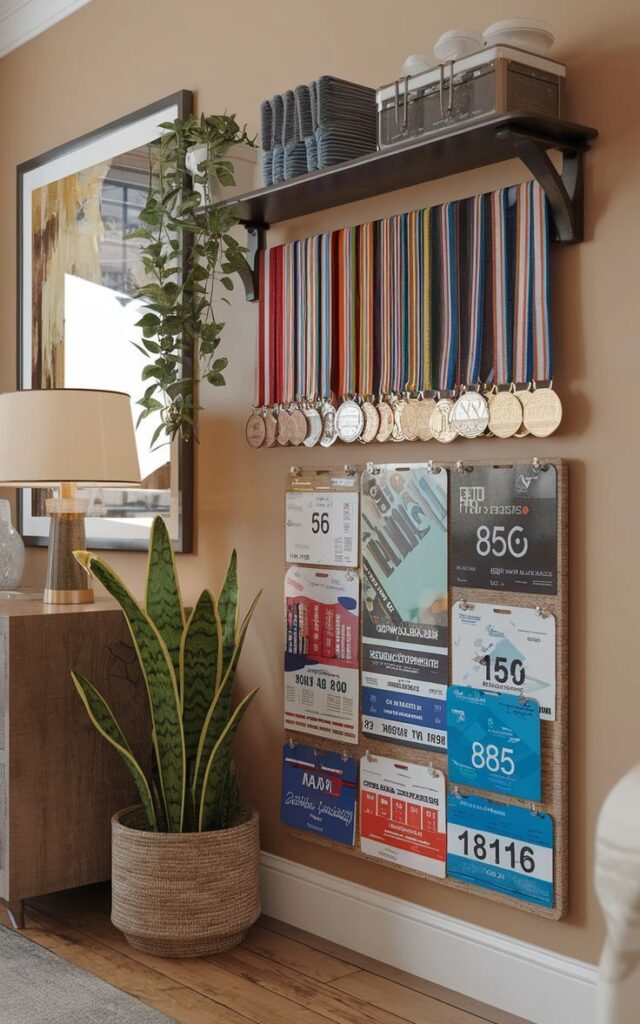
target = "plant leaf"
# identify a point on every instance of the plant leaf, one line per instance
(106, 723)
(228, 612)
(162, 688)
(218, 766)
(162, 598)
(218, 714)
(199, 654)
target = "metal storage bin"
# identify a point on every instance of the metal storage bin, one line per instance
(499, 80)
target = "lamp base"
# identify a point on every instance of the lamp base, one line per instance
(66, 579)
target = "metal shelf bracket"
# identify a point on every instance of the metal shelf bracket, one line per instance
(256, 238)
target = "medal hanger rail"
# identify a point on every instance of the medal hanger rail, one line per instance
(528, 138)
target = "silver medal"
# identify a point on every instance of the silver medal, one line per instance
(328, 414)
(470, 415)
(349, 421)
(314, 426)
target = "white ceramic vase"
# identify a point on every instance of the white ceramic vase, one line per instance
(11, 550)
(244, 159)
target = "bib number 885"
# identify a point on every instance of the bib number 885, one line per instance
(492, 758)
(497, 542)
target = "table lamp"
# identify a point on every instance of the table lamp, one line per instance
(62, 438)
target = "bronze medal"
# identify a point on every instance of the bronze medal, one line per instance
(255, 431)
(409, 419)
(297, 427)
(314, 426)
(440, 423)
(385, 415)
(470, 415)
(371, 423)
(283, 427)
(271, 429)
(424, 413)
(505, 414)
(543, 412)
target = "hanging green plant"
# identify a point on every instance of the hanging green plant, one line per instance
(189, 252)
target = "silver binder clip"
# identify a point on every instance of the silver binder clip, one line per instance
(344, 756)
(456, 792)
(292, 745)
(368, 756)
(432, 770)
(542, 612)
(431, 467)
(372, 468)
(539, 465)
(465, 605)
(295, 471)
(350, 470)
(460, 467)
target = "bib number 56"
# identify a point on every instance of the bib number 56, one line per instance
(497, 541)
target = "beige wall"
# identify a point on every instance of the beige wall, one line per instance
(114, 56)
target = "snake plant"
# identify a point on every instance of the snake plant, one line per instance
(188, 664)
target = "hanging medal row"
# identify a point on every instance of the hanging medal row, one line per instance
(425, 690)
(428, 325)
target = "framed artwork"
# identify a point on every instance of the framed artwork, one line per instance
(78, 275)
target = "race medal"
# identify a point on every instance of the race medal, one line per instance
(505, 414)
(349, 421)
(271, 429)
(314, 426)
(409, 419)
(398, 407)
(441, 426)
(282, 436)
(385, 415)
(543, 412)
(424, 413)
(297, 427)
(329, 435)
(470, 415)
(255, 431)
(523, 397)
(371, 423)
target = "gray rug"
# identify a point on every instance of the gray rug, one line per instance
(38, 987)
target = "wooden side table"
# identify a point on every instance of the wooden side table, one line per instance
(60, 781)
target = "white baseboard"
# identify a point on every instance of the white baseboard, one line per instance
(516, 977)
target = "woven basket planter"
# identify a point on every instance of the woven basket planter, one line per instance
(184, 895)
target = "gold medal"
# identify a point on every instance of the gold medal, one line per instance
(385, 415)
(297, 427)
(371, 423)
(440, 422)
(543, 412)
(505, 414)
(523, 397)
(270, 428)
(409, 419)
(255, 431)
(398, 406)
(424, 413)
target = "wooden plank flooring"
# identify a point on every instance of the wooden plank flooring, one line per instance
(280, 974)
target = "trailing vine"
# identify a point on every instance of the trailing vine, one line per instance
(188, 253)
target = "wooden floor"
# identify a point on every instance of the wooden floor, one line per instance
(278, 976)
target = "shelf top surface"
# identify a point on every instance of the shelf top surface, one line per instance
(410, 163)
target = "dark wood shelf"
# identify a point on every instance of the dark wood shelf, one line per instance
(465, 148)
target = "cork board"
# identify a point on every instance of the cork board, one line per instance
(554, 735)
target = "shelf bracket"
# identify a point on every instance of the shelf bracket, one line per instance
(565, 191)
(256, 237)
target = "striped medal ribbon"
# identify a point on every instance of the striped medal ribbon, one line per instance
(414, 340)
(295, 276)
(446, 217)
(505, 411)
(426, 401)
(309, 385)
(400, 321)
(326, 408)
(384, 328)
(349, 416)
(543, 410)
(523, 300)
(366, 292)
(470, 414)
(283, 272)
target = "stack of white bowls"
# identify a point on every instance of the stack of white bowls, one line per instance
(529, 34)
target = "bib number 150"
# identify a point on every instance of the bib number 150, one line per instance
(497, 541)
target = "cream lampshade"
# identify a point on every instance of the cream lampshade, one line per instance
(64, 437)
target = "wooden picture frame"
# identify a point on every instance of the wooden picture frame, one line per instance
(76, 308)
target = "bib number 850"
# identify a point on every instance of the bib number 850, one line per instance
(497, 542)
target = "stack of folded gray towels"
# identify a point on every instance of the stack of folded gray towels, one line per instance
(316, 126)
